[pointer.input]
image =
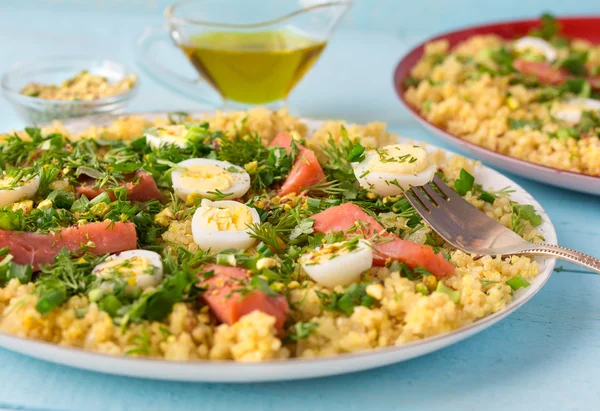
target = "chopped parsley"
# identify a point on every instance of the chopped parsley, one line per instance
(302, 330)
(305, 227)
(574, 63)
(521, 214)
(547, 29)
(464, 183)
(353, 295)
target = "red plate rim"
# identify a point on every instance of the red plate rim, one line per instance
(504, 29)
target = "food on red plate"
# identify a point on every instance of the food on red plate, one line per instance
(535, 97)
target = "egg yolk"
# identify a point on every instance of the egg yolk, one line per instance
(400, 159)
(203, 178)
(531, 53)
(328, 252)
(172, 133)
(10, 183)
(226, 218)
(127, 269)
(6, 183)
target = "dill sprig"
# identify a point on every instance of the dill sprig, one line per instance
(338, 168)
(141, 344)
(325, 188)
(268, 234)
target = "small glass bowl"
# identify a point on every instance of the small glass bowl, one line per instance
(55, 70)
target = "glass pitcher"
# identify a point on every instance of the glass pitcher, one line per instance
(250, 52)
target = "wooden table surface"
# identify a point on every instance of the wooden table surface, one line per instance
(545, 356)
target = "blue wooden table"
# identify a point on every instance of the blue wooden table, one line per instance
(545, 356)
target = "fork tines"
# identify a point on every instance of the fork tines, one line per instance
(431, 195)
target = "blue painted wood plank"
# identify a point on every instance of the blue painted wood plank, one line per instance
(542, 357)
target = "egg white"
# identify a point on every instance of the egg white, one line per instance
(239, 187)
(389, 184)
(217, 240)
(142, 281)
(343, 269)
(571, 110)
(23, 192)
(537, 44)
(173, 134)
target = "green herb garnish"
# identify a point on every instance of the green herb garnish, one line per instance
(515, 124)
(353, 295)
(517, 282)
(464, 183)
(453, 294)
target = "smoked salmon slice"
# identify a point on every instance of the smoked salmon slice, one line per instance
(352, 220)
(98, 238)
(306, 171)
(544, 72)
(140, 186)
(229, 306)
(594, 82)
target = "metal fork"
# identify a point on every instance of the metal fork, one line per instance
(472, 231)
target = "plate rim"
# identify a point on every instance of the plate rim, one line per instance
(14, 343)
(402, 70)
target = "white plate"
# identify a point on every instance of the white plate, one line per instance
(543, 174)
(211, 371)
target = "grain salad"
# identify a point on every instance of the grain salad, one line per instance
(536, 98)
(240, 236)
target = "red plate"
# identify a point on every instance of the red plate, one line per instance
(587, 28)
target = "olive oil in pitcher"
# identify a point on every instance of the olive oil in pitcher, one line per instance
(253, 67)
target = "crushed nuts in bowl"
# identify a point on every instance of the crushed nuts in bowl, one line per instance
(67, 87)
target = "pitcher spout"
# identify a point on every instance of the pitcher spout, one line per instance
(317, 18)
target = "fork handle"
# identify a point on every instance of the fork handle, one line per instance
(584, 260)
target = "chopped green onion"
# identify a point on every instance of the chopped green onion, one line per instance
(453, 294)
(517, 282)
(11, 220)
(51, 299)
(487, 197)
(313, 202)
(102, 198)
(226, 259)
(264, 250)
(110, 304)
(515, 124)
(23, 273)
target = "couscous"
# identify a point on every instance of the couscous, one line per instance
(243, 236)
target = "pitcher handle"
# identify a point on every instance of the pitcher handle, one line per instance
(161, 74)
